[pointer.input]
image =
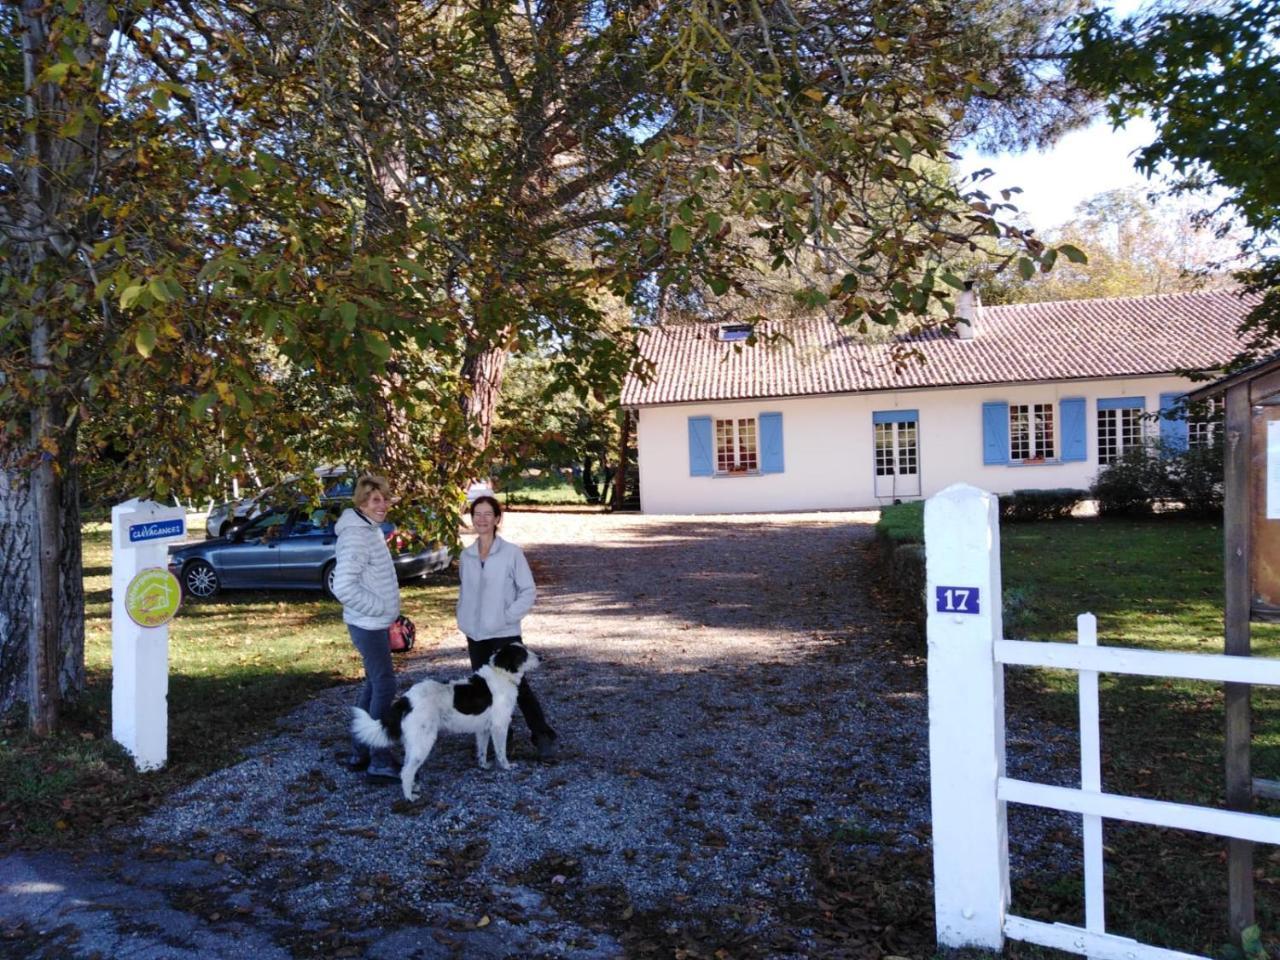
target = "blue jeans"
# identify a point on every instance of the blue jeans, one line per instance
(379, 687)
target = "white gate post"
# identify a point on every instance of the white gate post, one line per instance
(144, 596)
(966, 717)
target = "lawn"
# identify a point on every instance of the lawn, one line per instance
(549, 488)
(1156, 584)
(236, 664)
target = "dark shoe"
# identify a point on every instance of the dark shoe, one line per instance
(383, 767)
(382, 773)
(547, 750)
(356, 762)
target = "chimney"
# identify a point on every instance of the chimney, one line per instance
(968, 311)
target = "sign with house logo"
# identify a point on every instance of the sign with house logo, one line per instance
(153, 597)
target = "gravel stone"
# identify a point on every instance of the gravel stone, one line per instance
(724, 689)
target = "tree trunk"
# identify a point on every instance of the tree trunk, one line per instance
(42, 600)
(620, 483)
(482, 371)
(63, 668)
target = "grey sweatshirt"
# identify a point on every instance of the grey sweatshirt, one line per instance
(364, 580)
(493, 598)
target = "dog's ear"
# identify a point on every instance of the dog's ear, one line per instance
(511, 657)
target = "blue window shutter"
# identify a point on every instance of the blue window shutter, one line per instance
(895, 416)
(1122, 403)
(1074, 440)
(1173, 423)
(995, 433)
(771, 443)
(700, 464)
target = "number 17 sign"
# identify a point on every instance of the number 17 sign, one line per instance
(957, 599)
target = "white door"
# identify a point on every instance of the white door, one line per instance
(897, 453)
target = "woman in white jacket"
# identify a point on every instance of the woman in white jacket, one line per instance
(365, 583)
(495, 591)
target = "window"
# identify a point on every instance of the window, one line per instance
(896, 451)
(736, 446)
(735, 332)
(1119, 428)
(885, 454)
(1031, 432)
(1205, 423)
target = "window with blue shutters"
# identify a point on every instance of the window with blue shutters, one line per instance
(735, 446)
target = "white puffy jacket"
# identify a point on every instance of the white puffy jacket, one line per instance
(495, 596)
(364, 580)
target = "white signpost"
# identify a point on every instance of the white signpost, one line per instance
(144, 597)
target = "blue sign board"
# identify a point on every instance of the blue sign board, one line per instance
(957, 599)
(157, 530)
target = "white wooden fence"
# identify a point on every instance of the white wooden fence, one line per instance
(967, 654)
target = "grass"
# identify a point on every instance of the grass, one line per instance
(1155, 584)
(548, 488)
(236, 664)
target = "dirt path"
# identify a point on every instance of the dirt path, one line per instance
(725, 696)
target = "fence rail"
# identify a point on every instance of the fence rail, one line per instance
(970, 792)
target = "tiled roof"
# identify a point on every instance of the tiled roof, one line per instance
(1065, 340)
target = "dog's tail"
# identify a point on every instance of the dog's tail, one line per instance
(380, 734)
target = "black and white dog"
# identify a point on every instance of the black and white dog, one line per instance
(481, 704)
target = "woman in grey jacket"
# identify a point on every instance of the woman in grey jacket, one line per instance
(495, 591)
(365, 583)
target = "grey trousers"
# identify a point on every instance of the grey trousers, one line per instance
(379, 687)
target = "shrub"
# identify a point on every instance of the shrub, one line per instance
(902, 522)
(1131, 485)
(1155, 472)
(1195, 478)
(1027, 505)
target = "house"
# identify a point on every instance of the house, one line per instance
(1033, 395)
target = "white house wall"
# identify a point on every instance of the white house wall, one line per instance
(828, 446)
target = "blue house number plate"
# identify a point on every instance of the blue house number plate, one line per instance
(957, 599)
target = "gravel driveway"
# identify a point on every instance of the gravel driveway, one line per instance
(724, 693)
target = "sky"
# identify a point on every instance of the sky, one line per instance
(1081, 165)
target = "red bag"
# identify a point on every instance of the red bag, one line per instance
(403, 633)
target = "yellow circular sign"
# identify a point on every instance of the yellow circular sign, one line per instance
(153, 597)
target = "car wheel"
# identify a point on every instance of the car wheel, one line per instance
(200, 580)
(326, 578)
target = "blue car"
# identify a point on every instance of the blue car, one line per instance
(282, 549)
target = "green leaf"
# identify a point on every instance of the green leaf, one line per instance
(130, 295)
(377, 346)
(1026, 268)
(145, 339)
(714, 223)
(680, 239)
(1251, 943)
(1074, 254)
(951, 280)
(719, 286)
(203, 404)
(348, 312)
(159, 290)
(55, 72)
